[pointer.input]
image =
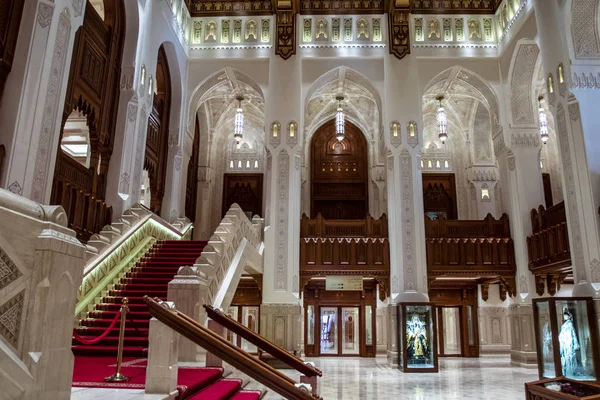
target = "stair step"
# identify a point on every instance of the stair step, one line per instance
(142, 324)
(138, 293)
(109, 315)
(112, 341)
(95, 350)
(142, 286)
(220, 390)
(247, 395)
(146, 281)
(132, 299)
(91, 332)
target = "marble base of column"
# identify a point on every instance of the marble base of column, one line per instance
(523, 353)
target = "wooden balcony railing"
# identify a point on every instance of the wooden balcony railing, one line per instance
(479, 250)
(72, 189)
(281, 354)
(446, 228)
(323, 228)
(236, 357)
(548, 247)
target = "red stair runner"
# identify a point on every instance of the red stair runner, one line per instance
(150, 276)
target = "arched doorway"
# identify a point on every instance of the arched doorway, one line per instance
(339, 178)
(157, 138)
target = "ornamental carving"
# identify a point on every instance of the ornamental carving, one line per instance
(205, 8)
(399, 31)
(285, 40)
(341, 7)
(455, 6)
(11, 314)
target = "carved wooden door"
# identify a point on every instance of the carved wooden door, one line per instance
(339, 187)
(439, 195)
(244, 190)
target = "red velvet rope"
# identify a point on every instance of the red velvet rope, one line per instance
(99, 338)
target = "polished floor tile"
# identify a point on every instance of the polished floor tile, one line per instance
(489, 378)
(459, 378)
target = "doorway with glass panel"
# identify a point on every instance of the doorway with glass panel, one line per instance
(448, 324)
(339, 323)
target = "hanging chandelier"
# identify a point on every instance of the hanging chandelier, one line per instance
(238, 128)
(340, 120)
(442, 121)
(543, 121)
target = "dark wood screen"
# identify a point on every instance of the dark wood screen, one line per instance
(547, 190)
(439, 195)
(157, 137)
(93, 90)
(245, 190)
(339, 186)
(10, 21)
(191, 186)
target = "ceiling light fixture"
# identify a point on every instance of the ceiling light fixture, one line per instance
(543, 121)
(340, 120)
(238, 128)
(442, 121)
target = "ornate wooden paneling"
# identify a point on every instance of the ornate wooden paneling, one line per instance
(343, 247)
(191, 186)
(244, 189)
(248, 292)
(481, 251)
(339, 173)
(10, 21)
(454, 6)
(93, 90)
(548, 247)
(157, 136)
(439, 195)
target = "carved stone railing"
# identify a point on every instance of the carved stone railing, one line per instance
(41, 264)
(548, 247)
(117, 248)
(236, 245)
(345, 247)
(481, 250)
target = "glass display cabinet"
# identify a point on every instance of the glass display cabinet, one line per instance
(561, 388)
(417, 347)
(566, 338)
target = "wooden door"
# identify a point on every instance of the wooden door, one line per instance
(439, 195)
(244, 190)
(339, 185)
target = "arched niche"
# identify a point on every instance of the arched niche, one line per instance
(339, 173)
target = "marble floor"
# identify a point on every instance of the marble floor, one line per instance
(490, 378)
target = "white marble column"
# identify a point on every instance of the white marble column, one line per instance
(281, 282)
(408, 265)
(522, 177)
(581, 207)
(30, 126)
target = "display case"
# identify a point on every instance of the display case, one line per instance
(566, 338)
(417, 347)
(561, 388)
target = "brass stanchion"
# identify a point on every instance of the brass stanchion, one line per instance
(117, 376)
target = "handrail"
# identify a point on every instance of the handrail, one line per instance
(281, 354)
(220, 347)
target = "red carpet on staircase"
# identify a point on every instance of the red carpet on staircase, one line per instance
(150, 276)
